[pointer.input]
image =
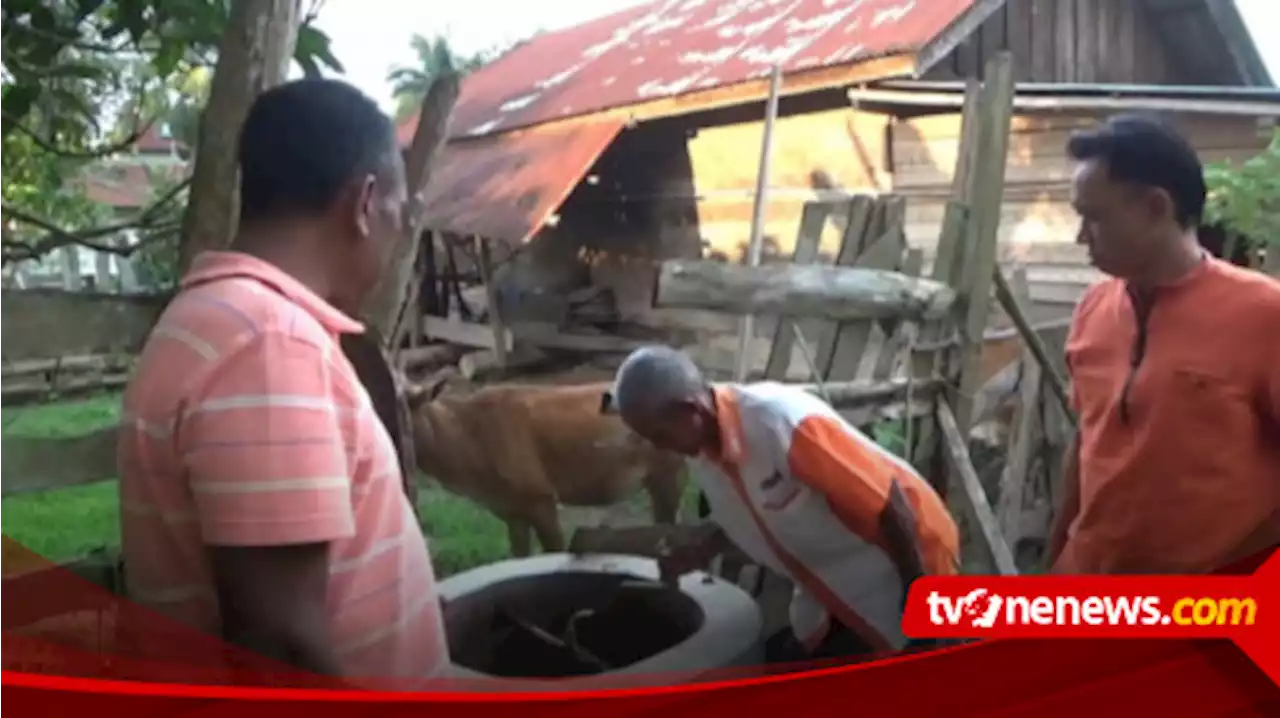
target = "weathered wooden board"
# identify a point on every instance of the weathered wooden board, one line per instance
(835, 293)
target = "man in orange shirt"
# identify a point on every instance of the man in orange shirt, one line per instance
(1175, 373)
(798, 489)
(261, 497)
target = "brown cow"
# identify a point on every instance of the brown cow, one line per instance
(520, 451)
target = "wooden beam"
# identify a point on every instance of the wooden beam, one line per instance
(31, 464)
(1014, 479)
(1005, 295)
(1066, 104)
(798, 83)
(456, 331)
(388, 307)
(44, 323)
(995, 114)
(975, 497)
(860, 223)
(546, 336)
(32, 390)
(427, 358)
(948, 264)
(747, 327)
(834, 293)
(853, 394)
(883, 250)
(501, 337)
(813, 221)
(898, 336)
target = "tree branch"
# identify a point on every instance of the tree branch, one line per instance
(57, 237)
(96, 153)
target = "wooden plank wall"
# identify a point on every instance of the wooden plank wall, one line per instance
(1067, 41)
(814, 154)
(1038, 225)
(822, 154)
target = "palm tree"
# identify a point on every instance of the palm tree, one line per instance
(435, 57)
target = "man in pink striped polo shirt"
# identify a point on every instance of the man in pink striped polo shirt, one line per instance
(261, 497)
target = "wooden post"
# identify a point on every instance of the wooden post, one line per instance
(387, 307)
(484, 263)
(746, 330)
(987, 194)
(1005, 295)
(883, 249)
(860, 222)
(947, 263)
(1021, 439)
(975, 498)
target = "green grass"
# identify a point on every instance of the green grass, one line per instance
(70, 523)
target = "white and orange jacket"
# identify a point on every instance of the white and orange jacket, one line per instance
(801, 491)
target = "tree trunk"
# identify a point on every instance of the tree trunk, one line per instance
(384, 309)
(254, 55)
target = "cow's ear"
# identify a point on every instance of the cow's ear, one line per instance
(416, 395)
(607, 404)
(429, 389)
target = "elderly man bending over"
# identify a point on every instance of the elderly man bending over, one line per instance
(801, 492)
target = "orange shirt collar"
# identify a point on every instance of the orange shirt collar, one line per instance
(729, 421)
(211, 266)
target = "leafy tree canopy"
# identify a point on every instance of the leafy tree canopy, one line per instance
(1245, 198)
(82, 81)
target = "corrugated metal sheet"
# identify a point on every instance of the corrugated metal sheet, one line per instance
(505, 186)
(674, 47)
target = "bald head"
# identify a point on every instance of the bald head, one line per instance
(662, 396)
(655, 377)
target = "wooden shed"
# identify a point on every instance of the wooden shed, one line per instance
(870, 103)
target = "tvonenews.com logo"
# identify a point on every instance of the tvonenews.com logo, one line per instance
(983, 609)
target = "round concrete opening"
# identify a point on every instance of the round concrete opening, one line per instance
(567, 624)
(583, 618)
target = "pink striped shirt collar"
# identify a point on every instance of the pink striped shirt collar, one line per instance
(210, 266)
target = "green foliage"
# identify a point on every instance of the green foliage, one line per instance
(1245, 198)
(435, 57)
(83, 79)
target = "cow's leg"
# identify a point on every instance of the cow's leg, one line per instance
(664, 487)
(520, 535)
(544, 514)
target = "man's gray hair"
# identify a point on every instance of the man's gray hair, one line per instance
(653, 377)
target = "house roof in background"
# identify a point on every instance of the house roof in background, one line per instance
(129, 185)
(676, 47)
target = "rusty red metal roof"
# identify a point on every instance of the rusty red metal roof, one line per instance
(674, 47)
(505, 186)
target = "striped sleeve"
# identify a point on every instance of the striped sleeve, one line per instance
(265, 447)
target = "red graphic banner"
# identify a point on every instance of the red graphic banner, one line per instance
(71, 646)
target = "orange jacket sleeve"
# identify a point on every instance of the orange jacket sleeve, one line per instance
(856, 479)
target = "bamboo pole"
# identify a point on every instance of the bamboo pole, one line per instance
(747, 327)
